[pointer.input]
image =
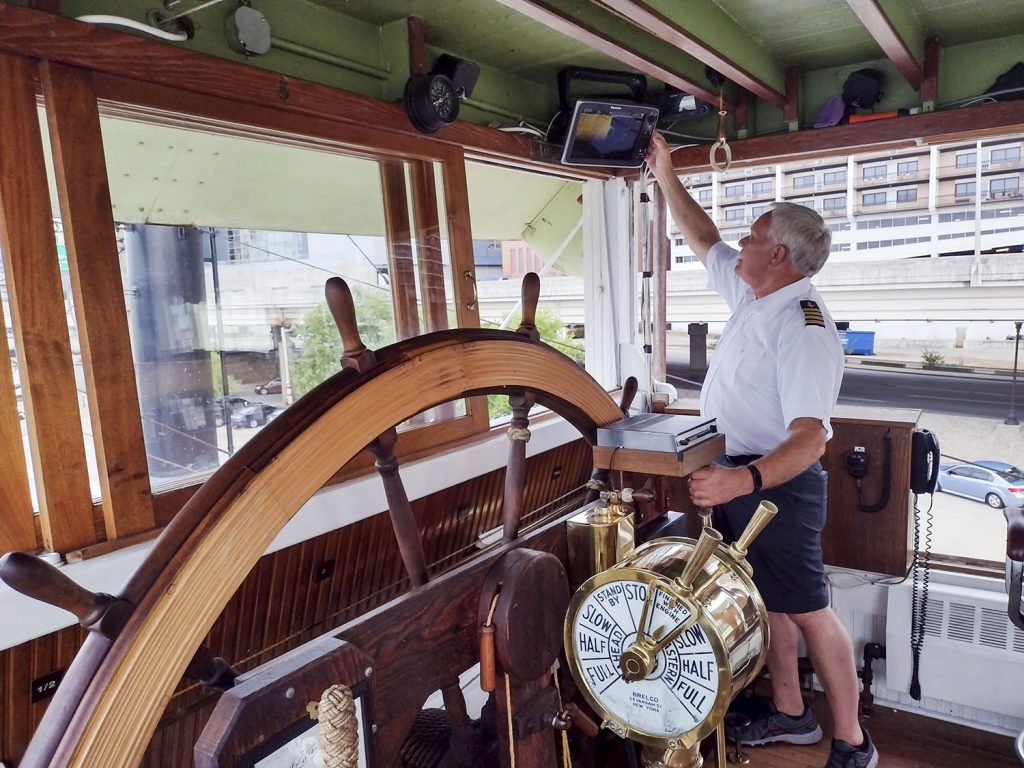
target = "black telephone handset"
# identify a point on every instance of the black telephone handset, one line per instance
(924, 461)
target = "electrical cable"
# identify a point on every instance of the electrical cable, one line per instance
(647, 272)
(529, 130)
(121, 21)
(919, 600)
(886, 480)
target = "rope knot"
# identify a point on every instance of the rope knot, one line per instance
(519, 433)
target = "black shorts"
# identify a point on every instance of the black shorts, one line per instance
(786, 556)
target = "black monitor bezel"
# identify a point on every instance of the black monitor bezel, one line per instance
(611, 109)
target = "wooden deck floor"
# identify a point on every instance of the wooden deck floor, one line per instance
(903, 740)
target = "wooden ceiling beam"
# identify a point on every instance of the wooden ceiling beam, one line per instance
(925, 128)
(663, 27)
(895, 30)
(585, 31)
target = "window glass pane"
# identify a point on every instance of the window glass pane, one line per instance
(226, 244)
(1005, 155)
(527, 222)
(803, 181)
(966, 159)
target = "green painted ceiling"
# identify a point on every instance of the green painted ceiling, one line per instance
(812, 34)
(520, 48)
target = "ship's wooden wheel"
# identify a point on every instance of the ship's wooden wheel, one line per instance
(105, 712)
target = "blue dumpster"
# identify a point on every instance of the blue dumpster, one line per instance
(858, 342)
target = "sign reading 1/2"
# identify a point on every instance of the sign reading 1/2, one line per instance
(681, 689)
(44, 687)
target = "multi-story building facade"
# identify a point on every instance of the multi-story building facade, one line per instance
(917, 201)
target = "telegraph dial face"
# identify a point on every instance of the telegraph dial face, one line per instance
(680, 692)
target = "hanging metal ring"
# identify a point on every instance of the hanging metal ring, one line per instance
(715, 165)
(721, 143)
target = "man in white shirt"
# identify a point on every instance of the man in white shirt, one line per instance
(772, 384)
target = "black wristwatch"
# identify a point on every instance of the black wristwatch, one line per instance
(755, 473)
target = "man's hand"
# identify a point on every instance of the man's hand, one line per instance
(659, 157)
(715, 484)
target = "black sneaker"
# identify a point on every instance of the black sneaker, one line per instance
(844, 755)
(773, 726)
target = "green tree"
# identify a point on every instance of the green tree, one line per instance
(321, 343)
(218, 380)
(552, 333)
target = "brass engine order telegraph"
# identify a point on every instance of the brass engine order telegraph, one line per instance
(661, 642)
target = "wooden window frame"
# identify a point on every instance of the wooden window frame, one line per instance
(208, 97)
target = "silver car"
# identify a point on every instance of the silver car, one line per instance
(996, 488)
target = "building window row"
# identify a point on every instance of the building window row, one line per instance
(895, 221)
(870, 244)
(958, 216)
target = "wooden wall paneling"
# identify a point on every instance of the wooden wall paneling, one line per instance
(876, 542)
(341, 587)
(18, 723)
(281, 626)
(317, 591)
(37, 309)
(398, 230)
(80, 166)
(260, 576)
(17, 527)
(442, 525)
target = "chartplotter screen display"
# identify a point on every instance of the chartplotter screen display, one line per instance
(608, 134)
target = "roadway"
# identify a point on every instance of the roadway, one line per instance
(961, 394)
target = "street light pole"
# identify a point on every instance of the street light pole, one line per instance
(1011, 417)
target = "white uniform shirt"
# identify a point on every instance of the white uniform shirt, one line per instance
(770, 366)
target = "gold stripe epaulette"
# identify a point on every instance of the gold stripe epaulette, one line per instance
(812, 313)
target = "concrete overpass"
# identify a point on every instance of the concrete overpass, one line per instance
(924, 299)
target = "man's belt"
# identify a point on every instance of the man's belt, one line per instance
(742, 459)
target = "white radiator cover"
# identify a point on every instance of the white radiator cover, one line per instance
(971, 656)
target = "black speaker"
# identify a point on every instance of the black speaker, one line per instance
(462, 73)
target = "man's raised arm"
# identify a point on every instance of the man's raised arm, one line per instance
(691, 219)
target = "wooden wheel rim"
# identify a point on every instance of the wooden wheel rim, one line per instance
(224, 541)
